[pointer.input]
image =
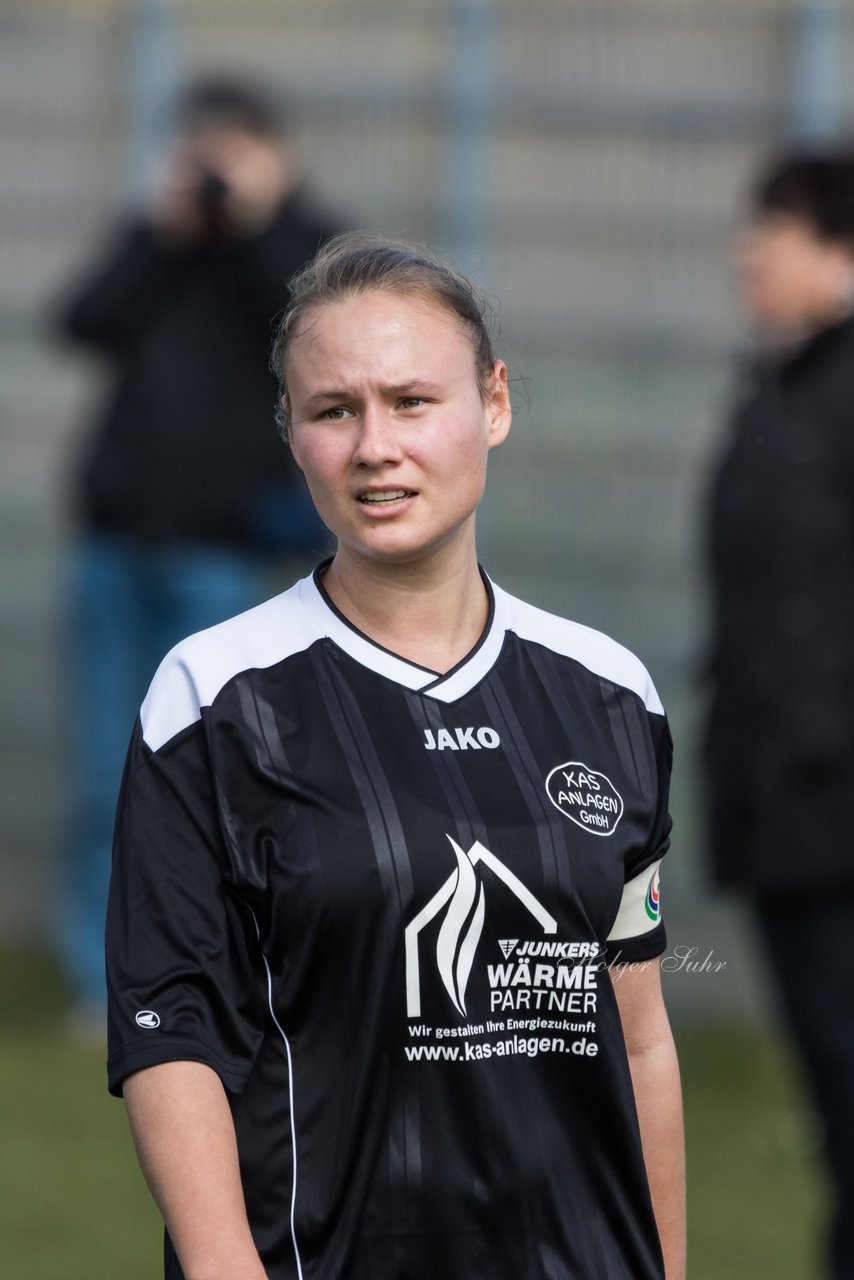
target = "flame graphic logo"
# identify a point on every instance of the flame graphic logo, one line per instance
(460, 931)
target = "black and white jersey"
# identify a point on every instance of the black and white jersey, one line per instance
(380, 903)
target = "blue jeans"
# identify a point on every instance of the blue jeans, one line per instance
(129, 604)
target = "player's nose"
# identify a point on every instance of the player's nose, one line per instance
(378, 440)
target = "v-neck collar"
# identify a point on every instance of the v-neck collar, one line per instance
(330, 622)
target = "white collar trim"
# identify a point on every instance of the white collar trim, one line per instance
(461, 680)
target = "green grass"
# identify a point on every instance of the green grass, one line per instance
(756, 1192)
(74, 1205)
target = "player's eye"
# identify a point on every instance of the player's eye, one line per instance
(411, 402)
(337, 413)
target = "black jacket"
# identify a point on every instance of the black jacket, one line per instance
(780, 735)
(186, 447)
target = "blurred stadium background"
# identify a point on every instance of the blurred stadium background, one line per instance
(585, 159)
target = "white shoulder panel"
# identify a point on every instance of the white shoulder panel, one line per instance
(192, 674)
(595, 651)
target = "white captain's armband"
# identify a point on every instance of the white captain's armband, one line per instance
(640, 908)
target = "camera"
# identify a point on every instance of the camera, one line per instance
(211, 193)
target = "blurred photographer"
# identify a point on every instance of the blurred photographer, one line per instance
(780, 538)
(185, 492)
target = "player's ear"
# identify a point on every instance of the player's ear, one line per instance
(499, 411)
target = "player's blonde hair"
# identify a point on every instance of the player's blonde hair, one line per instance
(359, 263)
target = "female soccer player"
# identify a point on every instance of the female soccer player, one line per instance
(385, 913)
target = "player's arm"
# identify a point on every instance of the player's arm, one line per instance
(658, 1097)
(184, 1137)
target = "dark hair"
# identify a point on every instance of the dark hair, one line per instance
(228, 102)
(359, 263)
(814, 186)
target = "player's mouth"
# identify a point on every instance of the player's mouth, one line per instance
(385, 497)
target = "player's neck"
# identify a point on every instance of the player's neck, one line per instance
(428, 614)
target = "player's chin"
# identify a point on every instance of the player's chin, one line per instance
(388, 544)
(413, 550)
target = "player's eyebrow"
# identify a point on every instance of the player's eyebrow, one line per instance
(333, 396)
(325, 397)
(416, 388)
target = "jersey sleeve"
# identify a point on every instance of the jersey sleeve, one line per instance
(179, 943)
(638, 930)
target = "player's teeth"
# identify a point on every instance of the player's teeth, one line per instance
(392, 496)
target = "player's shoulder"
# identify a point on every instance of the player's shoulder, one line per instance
(192, 674)
(592, 649)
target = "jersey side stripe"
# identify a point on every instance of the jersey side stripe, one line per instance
(281, 1032)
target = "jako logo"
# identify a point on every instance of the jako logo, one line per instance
(586, 797)
(148, 1020)
(459, 934)
(461, 739)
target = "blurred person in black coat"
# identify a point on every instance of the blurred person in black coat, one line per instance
(780, 734)
(185, 489)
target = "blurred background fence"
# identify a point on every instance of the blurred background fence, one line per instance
(584, 158)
